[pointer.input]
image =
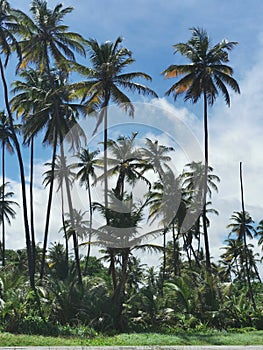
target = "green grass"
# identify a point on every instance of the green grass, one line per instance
(182, 338)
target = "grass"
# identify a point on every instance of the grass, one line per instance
(182, 338)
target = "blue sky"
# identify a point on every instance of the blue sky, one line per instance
(149, 29)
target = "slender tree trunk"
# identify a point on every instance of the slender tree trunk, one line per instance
(164, 254)
(206, 239)
(23, 181)
(250, 290)
(32, 200)
(105, 158)
(175, 252)
(64, 223)
(119, 293)
(71, 214)
(90, 226)
(2, 209)
(50, 196)
(112, 268)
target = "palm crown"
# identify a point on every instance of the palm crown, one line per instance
(207, 73)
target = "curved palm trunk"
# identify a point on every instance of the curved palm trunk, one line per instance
(206, 239)
(250, 289)
(74, 235)
(23, 181)
(3, 196)
(50, 196)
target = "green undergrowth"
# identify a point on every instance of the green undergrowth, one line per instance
(213, 337)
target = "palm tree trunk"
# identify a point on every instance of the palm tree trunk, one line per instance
(23, 181)
(2, 209)
(105, 146)
(64, 223)
(206, 239)
(90, 226)
(32, 200)
(50, 196)
(250, 290)
(164, 254)
(119, 293)
(74, 235)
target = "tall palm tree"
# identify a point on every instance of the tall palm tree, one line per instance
(8, 25)
(57, 116)
(106, 80)
(7, 213)
(60, 174)
(86, 165)
(46, 40)
(28, 102)
(166, 202)
(206, 76)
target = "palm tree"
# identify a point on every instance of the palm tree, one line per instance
(105, 81)
(119, 237)
(60, 174)
(192, 183)
(57, 118)
(45, 40)
(86, 165)
(242, 227)
(126, 162)
(29, 103)
(156, 155)
(9, 24)
(7, 212)
(206, 76)
(166, 202)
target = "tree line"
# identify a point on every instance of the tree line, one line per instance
(188, 289)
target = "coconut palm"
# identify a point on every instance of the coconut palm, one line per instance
(120, 237)
(106, 80)
(206, 76)
(7, 213)
(126, 162)
(242, 227)
(166, 202)
(156, 155)
(46, 40)
(28, 102)
(8, 25)
(56, 118)
(60, 174)
(86, 165)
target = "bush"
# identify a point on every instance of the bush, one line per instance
(37, 326)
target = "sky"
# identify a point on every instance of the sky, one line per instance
(149, 29)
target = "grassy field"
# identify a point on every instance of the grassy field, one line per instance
(210, 338)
